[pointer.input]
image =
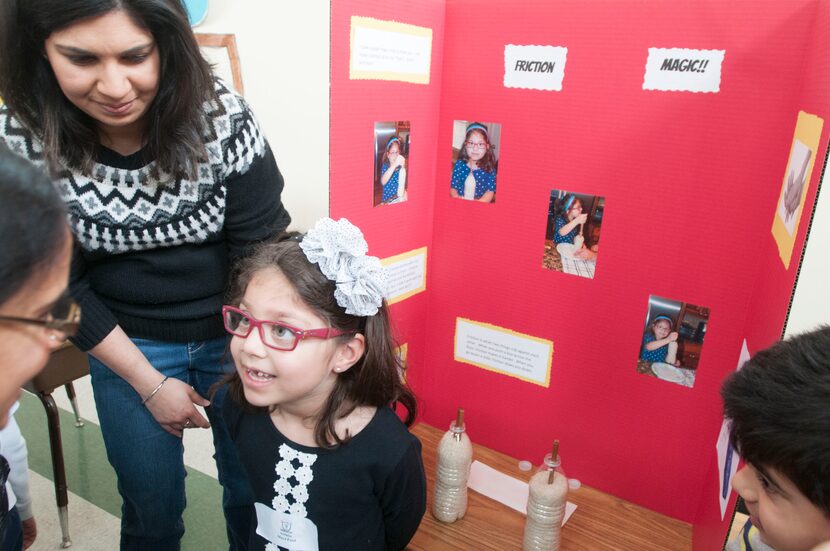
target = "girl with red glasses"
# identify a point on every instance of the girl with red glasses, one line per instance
(310, 407)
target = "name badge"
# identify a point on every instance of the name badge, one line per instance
(293, 532)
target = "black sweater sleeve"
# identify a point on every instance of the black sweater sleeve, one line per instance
(403, 498)
(254, 209)
(97, 321)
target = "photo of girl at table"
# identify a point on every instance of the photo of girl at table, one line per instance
(475, 161)
(660, 342)
(573, 230)
(672, 340)
(391, 155)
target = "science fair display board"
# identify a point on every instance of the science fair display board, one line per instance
(591, 215)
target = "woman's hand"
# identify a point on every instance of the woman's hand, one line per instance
(399, 161)
(173, 407)
(581, 219)
(672, 336)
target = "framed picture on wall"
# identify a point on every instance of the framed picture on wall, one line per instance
(220, 51)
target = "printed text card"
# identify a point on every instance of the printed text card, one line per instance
(387, 50)
(683, 70)
(406, 274)
(535, 67)
(496, 349)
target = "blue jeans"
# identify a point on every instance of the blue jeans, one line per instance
(148, 460)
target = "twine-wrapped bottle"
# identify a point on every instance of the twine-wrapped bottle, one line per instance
(546, 505)
(455, 455)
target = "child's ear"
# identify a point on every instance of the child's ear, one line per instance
(349, 352)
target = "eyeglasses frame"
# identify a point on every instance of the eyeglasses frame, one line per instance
(68, 326)
(471, 145)
(299, 334)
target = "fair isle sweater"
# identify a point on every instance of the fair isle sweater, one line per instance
(153, 254)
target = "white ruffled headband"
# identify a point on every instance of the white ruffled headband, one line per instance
(340, 250)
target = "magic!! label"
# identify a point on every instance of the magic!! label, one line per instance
(683, 70)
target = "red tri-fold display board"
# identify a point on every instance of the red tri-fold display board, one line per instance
(683, 142)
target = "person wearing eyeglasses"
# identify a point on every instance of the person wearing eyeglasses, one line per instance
(393, 172)
(474, 173)
(311, 405)
(168, 178)
(36, 315)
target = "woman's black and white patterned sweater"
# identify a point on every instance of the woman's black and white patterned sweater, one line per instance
(154, 253)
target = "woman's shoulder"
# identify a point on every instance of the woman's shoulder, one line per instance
(17, 137)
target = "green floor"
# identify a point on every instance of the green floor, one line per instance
(90, 476)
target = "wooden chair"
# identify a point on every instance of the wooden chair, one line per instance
(66, 364)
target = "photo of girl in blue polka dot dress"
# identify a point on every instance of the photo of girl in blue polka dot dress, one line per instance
(474, 170)
(573, 231)
(393, 172)
(672, 340)
(391, 151)
(660, 342)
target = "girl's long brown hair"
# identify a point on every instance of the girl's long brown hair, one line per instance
(375, 380)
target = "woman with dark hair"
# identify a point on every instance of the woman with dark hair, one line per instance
(167, 178)
(35, 313)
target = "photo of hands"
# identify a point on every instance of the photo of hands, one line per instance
(572, 233)
(391, 162)
(672, 340)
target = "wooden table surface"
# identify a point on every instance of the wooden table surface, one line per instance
(600, 522)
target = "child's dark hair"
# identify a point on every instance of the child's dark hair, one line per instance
(566, 203)
(779, 404)
(488, 162)
(374, 380)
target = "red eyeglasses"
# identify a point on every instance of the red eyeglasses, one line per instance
(273, 334)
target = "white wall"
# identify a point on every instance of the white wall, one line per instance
(284, 55)
(811, 303)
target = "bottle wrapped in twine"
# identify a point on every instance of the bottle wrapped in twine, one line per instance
(455, 455)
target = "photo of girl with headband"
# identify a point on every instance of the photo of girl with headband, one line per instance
(572, 233)
(672, 340)
(474, 168)
(391, 156)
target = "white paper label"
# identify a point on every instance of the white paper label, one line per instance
(683, 70)
(293, 532)
(534, 67)
(388, 50)
(405, 275)
(502, 350)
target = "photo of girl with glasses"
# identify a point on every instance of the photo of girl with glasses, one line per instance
(393, 172)
(310, 407)
(474, 170)
(35, 317)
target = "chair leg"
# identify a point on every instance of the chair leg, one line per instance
(70, 391)
(58, 468)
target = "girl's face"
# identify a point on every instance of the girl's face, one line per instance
(300, 378)
(785, 518)
(476, 145)
(662, 329)
(575, 210)
(24, 348)
(108, 67)
(393, 153)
